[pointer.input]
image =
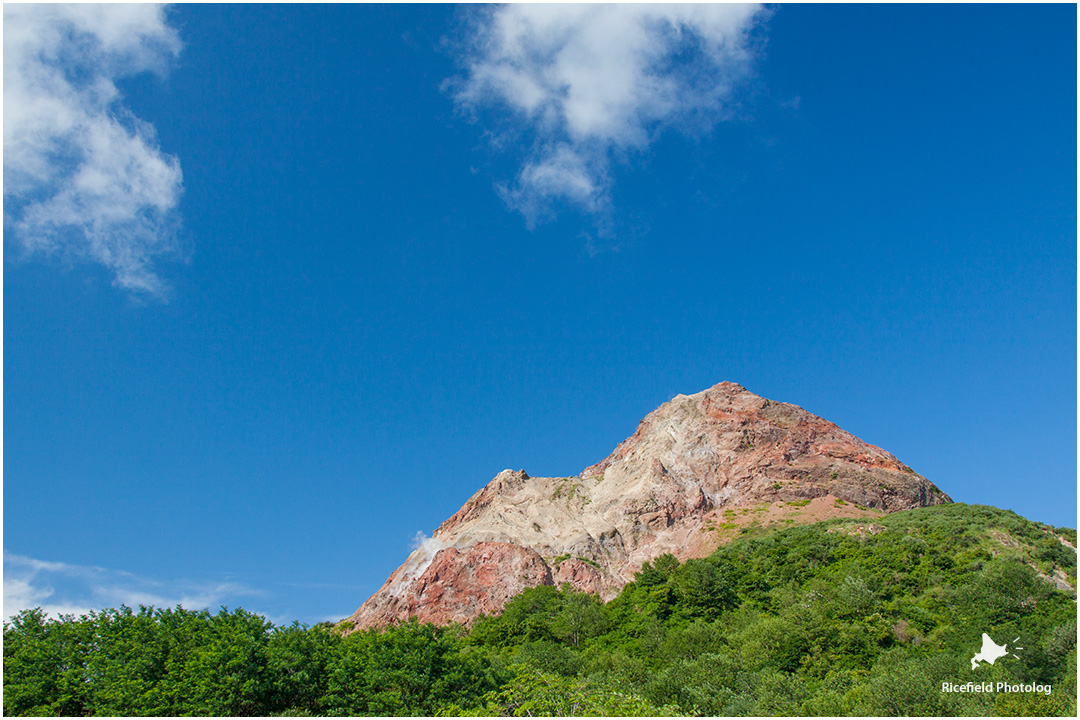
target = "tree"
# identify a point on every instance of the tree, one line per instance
(408, 669)
(45, 665)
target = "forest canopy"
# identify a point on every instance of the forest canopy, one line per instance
(835, 618)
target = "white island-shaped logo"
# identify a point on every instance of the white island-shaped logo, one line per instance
(990, 652)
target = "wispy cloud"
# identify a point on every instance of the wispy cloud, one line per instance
(589, 84)
(84, 179)
(63, 589)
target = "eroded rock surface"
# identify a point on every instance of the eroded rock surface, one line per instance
(696, 469)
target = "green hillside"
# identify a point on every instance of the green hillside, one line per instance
(837, 618)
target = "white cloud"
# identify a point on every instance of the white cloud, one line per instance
(62, 589)
(592, 82)
(84, 179)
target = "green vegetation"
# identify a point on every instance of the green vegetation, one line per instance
(810, 620)
(571, 488)
(182, 662)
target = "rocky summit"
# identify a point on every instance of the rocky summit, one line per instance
(698, 470)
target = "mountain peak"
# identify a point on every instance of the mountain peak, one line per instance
(695, 472)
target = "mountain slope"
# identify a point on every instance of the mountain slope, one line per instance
(696, 470)
(833, 619)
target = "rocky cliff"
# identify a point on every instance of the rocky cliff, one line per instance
(697, 470)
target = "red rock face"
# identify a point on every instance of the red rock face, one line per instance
(580, 575)
(695, 468)
(458, 586)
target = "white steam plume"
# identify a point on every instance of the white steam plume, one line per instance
(424, 549)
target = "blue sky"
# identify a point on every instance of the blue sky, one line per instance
(285, 285)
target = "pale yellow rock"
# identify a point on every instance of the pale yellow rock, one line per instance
(698, 469)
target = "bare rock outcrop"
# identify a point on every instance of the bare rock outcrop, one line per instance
(457, 585)
(696, 470)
